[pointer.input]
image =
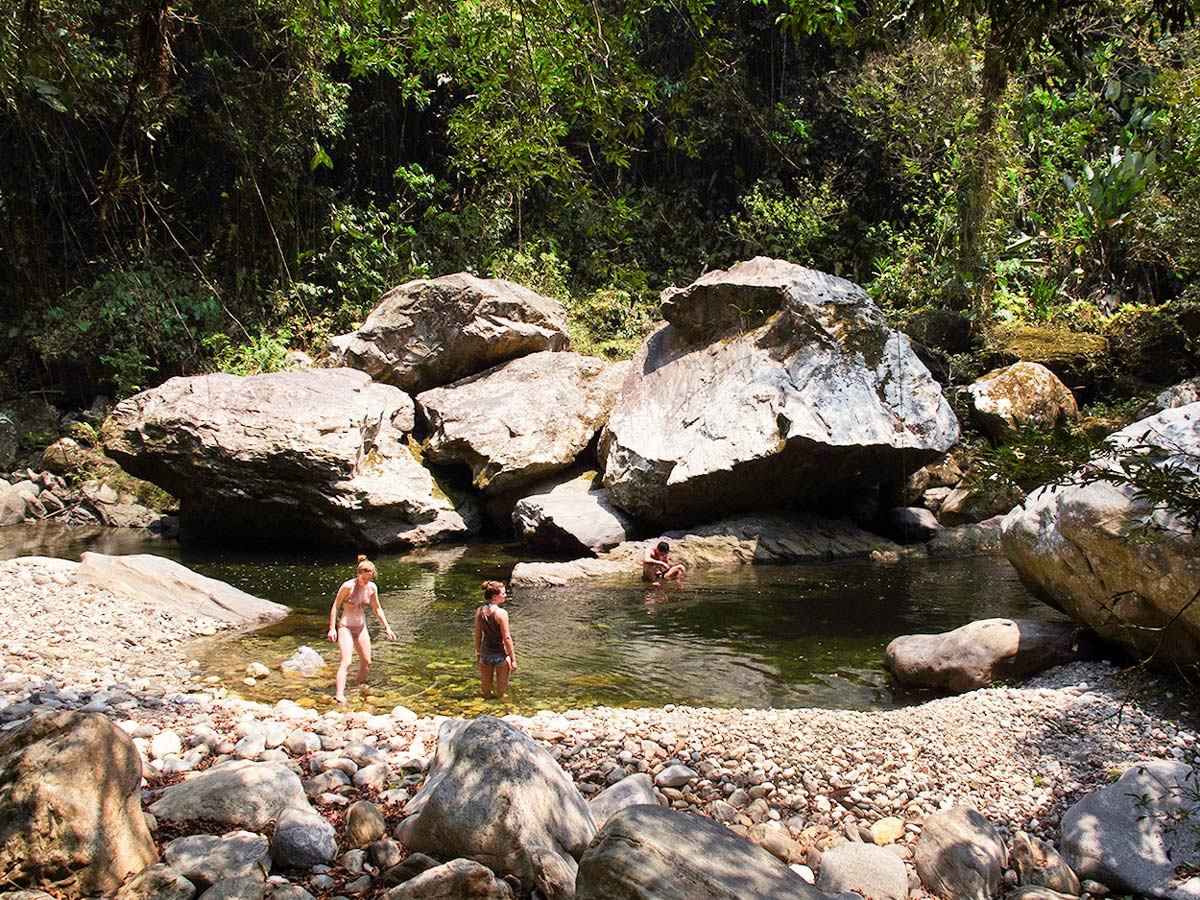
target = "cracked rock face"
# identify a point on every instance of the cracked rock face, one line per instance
(1077, 547)
(523, 420)
(430, 332)
(770, 384)
(314, 455)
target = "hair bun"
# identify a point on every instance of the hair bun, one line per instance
(362, 557)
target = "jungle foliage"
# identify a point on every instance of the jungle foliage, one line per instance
(191, 184)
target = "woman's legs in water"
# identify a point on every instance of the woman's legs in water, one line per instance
(346, 651)
(362, 641)
(502, 672)
(485, 679)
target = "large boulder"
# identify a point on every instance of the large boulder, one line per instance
(865, 869)
(1136, 835)
(495, 796)
(1024, 394)
(633, 790)
(1081, 546)
(771, 383)
(319, 454)
(960, 855)
(575, 517)
(759, 539)
(431, 332)
(70, 805)
(239, 793)
(657, 853)
(523, 420)
(161, 582)
(981, 653)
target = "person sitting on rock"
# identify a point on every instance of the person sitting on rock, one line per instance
(494, 651)
(656, 564)
(355, 596)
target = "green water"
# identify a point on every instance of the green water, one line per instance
(755, 636)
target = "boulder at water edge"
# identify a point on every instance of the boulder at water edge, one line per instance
(771, 383)
(766, 538)
(981, 653)
(1076, 546)
(1021, 395)
(238, 793)
(657, 853)
(960, 855)
(523, 420)
(164, 583)
(1137, 834)
(314, 455)
(495, 796)
(575, 517)
(70, 808)
(430, 332)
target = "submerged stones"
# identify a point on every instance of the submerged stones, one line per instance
(770, 384)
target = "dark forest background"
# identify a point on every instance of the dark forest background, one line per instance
(198, 185)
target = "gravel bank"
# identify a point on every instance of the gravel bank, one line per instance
(1021, 755)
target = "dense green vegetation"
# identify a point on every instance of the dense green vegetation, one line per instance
(197, 184)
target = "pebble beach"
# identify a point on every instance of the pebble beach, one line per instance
(795, 780)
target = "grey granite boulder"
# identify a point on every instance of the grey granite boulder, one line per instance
(430, 332)
(164, 583)
(523, 420)
(864, 869)
(574, 517)
(496, 796)
(157, 882)
(70, 805)
(657, 853)
(303, 838)
(1135, 834)
(634, 790)
(960, 855)
(459, 879)
(320, 454)
(364, 824)
(981, 653)
(1039, 864)
(1076, 546)
(770, 384)
(1021, 395)
(238, 793)
(205, 859)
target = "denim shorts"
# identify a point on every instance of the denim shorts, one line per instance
(489, 659)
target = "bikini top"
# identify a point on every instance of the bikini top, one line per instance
(360, 595)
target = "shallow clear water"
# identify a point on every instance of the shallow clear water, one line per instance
(755, 636)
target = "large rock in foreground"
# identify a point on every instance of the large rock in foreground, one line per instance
(1111, 560)
(495, 796)
(523, 420)
(70, 805)
(162, 582)
(1135, 835)
(655, 853)
(980, 653)
(238, 793)
(771, 383)
(427, 333)
(313, 455)
(746, 540)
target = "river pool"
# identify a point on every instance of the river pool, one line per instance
(755, 636)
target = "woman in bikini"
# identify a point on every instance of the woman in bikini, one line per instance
(355, 596)
(493, 643)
